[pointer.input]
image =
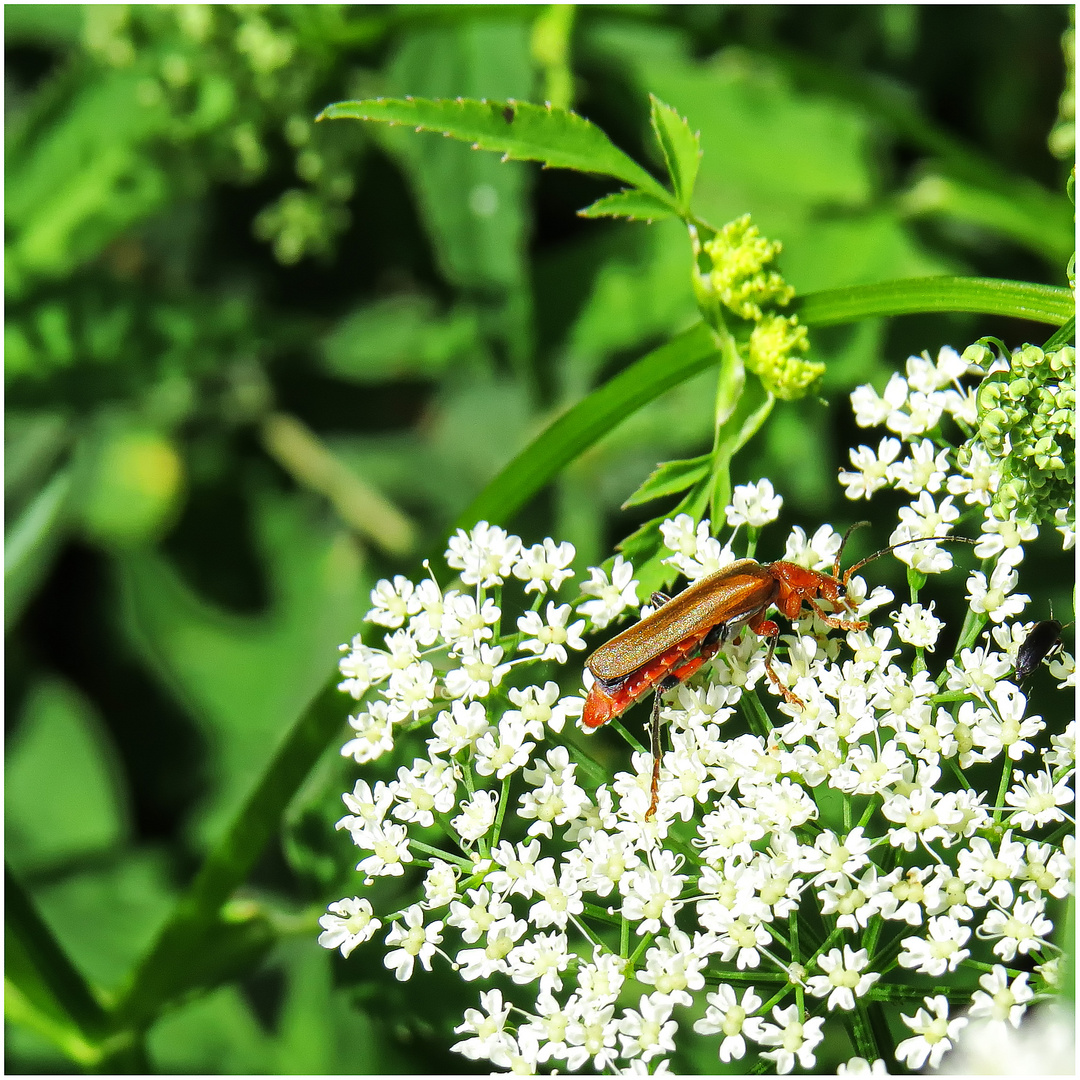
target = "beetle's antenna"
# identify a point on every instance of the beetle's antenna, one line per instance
(904, 543)
(851, 529)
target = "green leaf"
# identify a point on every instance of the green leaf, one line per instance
(32, 542)
(400, 337)
(986, 296)
(1044, 226)
(61, 744)
(520, 131)
(588, 421)
(629, 203)
(475, 209)
(1062, 335)
(184, 949)
(669, 478)
(43, 989)
(644, 547)
(681, 147)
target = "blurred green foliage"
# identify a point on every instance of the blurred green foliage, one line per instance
(252, 364)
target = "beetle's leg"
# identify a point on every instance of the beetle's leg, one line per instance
(835, 621)
(659, 599)
(654, 739)
(767, 628)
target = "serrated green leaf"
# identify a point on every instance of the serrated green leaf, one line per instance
(669, 478)
(681, 147)
(520, 131)
(630, 203)
(644, 547)
(589, 420)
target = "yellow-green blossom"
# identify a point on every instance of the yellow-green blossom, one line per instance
(776, 356)
(739, 254)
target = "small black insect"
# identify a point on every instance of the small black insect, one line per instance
(1045, 638)
(508, 114)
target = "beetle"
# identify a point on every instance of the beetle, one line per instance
(668, 646)
(1043, 639)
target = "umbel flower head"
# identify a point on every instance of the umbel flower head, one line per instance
(1027, 426)
(737, 276)
(898, 846)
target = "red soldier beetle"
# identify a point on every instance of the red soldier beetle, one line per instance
(665, 648)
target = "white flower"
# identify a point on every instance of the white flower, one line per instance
(917, 625)
(429, 604)
(649, 895)
(1036, 799)
(989, 871)
(491, 959)
(389, 844)
(425, 789)
(537, 708)
(649, 1030)
(545, 566)
(375, 735)
(514, 867)
(465, 624)
(475, 919)
(871, 410)
(754, 505)
(923, 471)
(1021, 930)
(488, 1028)
(924, 412)
(591, 1034)
(941, 951)
(477, 816)
(440, 883)
(1002, 539)
(793, 1039)
(390, 602)
(980, 479)
(559, 899)
(361, 668)
(540, 960)
(674, 964)
(994, 598)
(549, 640)
(459, 729)
(507, 753)
(612, 598)
(922, 815)
(347, 924)
(484, 556)
(601, 981)
(873, 469)
(412, 689)
(999, 1002)
(1007, 728)
(480, 671)
(728, 1016)
(1066, 527)
(414, 941)
(844, 979)
(934, 1034)
(858, 1066)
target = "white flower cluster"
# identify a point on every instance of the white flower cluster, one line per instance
(800, 869)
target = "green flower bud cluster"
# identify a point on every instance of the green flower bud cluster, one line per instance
(733, 270)
(775, 355)
(738, 277)
(1026, 418)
